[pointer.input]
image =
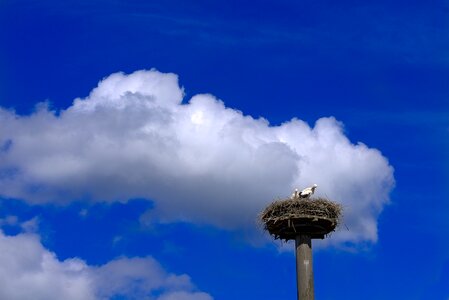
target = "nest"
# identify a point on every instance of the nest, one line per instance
(285, 219)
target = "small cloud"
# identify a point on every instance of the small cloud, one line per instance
(117, 239)
(30, 226)
(29, 271)
(185, 296)
(10, 220)
(83, 212)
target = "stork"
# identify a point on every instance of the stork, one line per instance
(307, 192)
(295, 194)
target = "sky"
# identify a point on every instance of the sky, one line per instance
(140, 140)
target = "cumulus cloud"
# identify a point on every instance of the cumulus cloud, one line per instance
(29, 271)
(199, 161)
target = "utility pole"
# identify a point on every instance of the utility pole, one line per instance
(302, 220)
(304, 267)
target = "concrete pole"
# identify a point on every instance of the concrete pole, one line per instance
(304, 267)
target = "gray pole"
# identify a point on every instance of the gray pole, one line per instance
(304, 267)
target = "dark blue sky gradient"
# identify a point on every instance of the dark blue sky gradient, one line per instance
(380, 67)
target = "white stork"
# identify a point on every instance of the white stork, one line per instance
(295, 194)
(307, 192)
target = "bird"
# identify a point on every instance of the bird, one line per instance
(307, 192)
(295, 194)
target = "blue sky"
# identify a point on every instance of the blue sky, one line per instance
(141, 188)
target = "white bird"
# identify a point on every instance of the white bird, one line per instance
(295, 194)
(307, 192)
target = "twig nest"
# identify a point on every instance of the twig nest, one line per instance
(285, 219)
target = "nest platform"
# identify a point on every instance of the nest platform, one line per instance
(285, 219)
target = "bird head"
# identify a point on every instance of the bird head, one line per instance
(314, 186)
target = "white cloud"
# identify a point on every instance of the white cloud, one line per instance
(9, 220)
(30, 226)
(185, 296)
(137, 277)
(29, 271)
(199, 161)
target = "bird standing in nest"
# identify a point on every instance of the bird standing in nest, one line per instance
(305, 193)
(295, 194)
